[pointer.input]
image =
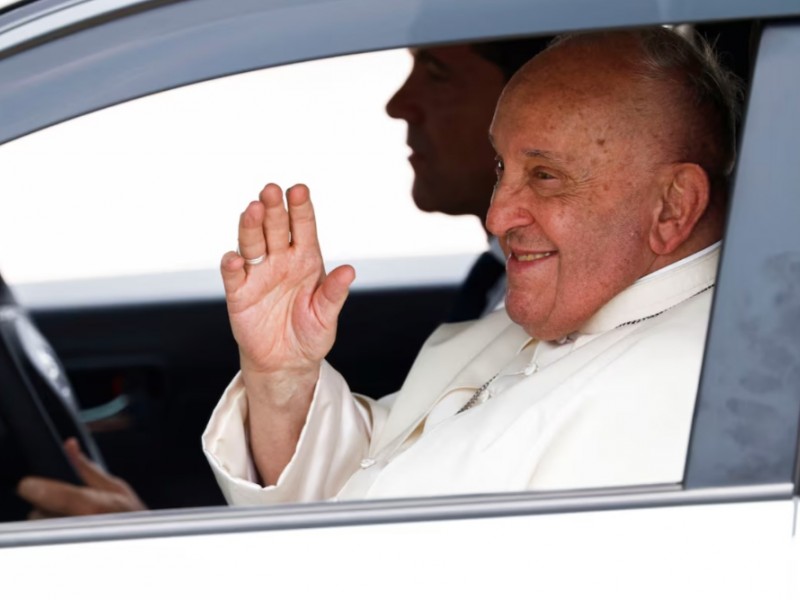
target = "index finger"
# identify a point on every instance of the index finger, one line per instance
(90, 473)
(252, 242)
(303, 223)
(57, 497)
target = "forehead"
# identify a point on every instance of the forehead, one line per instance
(581, 76)
(566, 97)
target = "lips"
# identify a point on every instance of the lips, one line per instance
(416, 153)
(523, 260)
(417, 144)
(532, 256)
(528, 252)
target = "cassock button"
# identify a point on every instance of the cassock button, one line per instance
(367, 463)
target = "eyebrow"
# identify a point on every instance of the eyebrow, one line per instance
(537, 153)
(551, 156)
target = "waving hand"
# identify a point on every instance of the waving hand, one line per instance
(283, 309)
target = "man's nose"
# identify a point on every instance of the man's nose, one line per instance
(402, 105)
(508, 210)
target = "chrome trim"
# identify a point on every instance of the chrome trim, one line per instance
(6, 5)
(55, 18)
(219, 520)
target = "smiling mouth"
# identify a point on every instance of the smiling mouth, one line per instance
(532, 257)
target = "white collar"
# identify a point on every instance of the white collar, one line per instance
(657, 291)
(700, 254)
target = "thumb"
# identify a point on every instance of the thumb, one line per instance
(329, 297)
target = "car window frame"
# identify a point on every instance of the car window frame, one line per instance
(81, 50)
(703, 482)
(742, 425)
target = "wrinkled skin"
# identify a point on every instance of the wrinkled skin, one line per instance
(586, 173)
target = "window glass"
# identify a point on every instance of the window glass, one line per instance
(157, 184)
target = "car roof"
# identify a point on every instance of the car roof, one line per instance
(63, 58)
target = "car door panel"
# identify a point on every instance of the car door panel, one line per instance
(148, 375)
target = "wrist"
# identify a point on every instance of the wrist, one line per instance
(290, 388)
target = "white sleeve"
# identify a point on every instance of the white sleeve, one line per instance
(334, 440)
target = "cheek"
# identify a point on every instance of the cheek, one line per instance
(600, 245)
(620, 256)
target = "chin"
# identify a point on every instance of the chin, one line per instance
(425, 207)
(431, 207)
(424, 202)
(430, 200)
(520, 313)
(536, 323)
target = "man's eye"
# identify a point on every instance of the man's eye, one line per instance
(543, 175)
(436, 71)
(499, 167)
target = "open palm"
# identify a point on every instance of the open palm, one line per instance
(284, 309)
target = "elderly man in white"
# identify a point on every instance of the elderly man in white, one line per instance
(612, 154)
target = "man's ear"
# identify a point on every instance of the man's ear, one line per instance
(684, 199)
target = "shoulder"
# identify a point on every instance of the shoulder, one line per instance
(662, 353)
(681, 327)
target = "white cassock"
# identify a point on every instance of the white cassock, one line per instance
(609, 405)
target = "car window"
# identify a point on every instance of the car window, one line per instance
(155, 185)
